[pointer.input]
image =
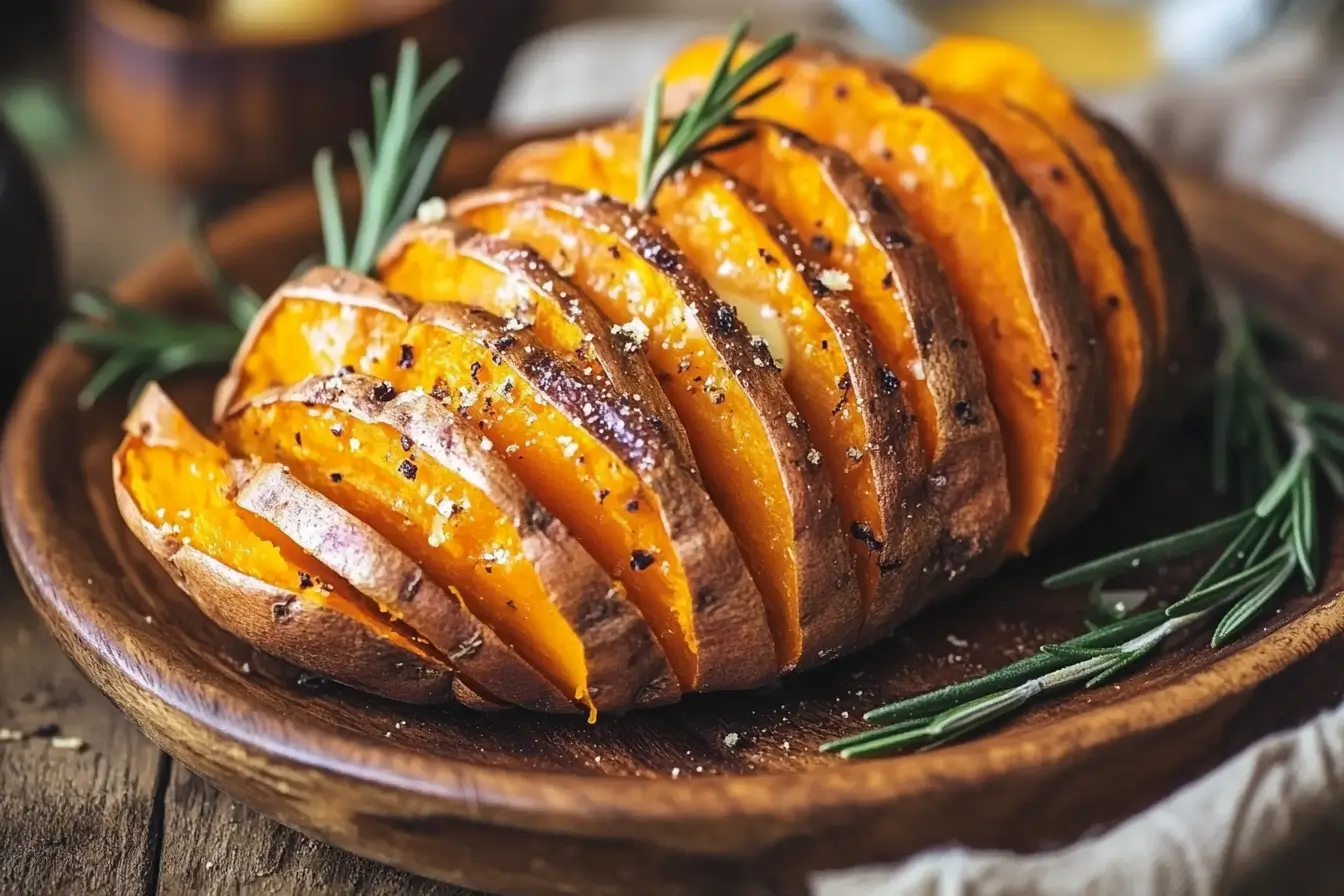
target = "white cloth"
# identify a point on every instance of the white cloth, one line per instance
(1274, 122)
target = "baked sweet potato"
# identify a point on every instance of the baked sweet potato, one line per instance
(1111, 274)
(599, 460)
(850, 223)
(758, 462)
(1010, 268)
(174, 488)
(380, 572)
(408, 468)
(449, 261)
(802, 315)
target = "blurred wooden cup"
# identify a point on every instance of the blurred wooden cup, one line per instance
(232, 95)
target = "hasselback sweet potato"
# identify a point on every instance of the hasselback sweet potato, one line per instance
(1110, 273)
(802, 316)
(596, 459)
(174, 488)
(1009, 266)
(375, 567)
(449, 261)
(753, 448)
(850, 223)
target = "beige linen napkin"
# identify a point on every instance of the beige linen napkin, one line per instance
(1274, 122)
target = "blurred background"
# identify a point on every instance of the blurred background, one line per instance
(131, 109)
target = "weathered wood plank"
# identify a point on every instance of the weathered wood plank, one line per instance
(215, 846)
(70, 821)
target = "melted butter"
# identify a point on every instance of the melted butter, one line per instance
(760, 320)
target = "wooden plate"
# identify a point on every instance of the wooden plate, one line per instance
(723, 793)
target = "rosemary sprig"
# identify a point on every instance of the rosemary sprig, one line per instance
(663, 156)
(1271, 442)
(395, 171)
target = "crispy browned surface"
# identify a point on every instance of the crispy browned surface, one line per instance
(289, 624)
(449, 261)
(795, 549)
(727, 615)
(623, 662)
(851, 222)
(373, 565)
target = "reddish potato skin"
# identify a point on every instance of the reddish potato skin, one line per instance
(626, 667)
(369, 562)
(284, 623)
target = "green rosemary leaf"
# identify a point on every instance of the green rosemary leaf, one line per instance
(980, 712)
(1333, 474)
(422, 175)
(863, 737)
(892, 743)
(1120, 631)
(1124, 659)
(1331, 438)
(770, 51)
(648, 138)
(937, 701)
(1298, 529)
(362, 152)
(378, 91)
(1169, 547)
(1214, 592)
(1283, 483)
(106, 376)
(1325, 409)
(1237, 550)
(432, 89)
(1245, 610)
(1072, 653)
(329, 204)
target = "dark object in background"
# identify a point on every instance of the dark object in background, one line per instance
(211, 112)
(29, 274)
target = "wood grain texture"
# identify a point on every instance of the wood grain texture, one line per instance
(665, 801)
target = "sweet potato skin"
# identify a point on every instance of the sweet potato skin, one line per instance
(727, 612)
(827, 595)
(369, 562)
(900, 291)
(625, 666)
(627, 371)
(284, 623)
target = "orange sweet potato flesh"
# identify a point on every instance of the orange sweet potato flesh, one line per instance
(611, 511)
(1010, 270)
(727, 235)
(756, 465)
(1113, 279)
(1000, 70)
(472, 545)
(182, 482)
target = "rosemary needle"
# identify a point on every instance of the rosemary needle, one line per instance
(661, 157)
(395, 171)
(1264, 547)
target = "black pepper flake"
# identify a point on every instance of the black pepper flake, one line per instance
(538, 517)
(640, 560)
(47, 729)
(407, 357)
(512, 605)
(336, 477)
(879, 198)
(298, 439)
(383, 392)
(767, 257)
(305, 580)
(439, 391)
(347, 369)
(632, 505)
(661, 257)
(406, 443)
(864, 533)
(822, 244)
(337, 430)
(717, 397)
(965, 413)
(841, 92)
(959, 343)
(819, 289)
(1057, 174)
(1113, 300)
(825, 344)
(476, 372)
(888, 280)
(843, 384)
(504, 342)
(1035, 376)
(885, 153)
(602, 495)
(408, 468)
(887, 380)
(725, 316)
(614, 251)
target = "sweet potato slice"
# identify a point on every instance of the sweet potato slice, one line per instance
(850, 223)
(758, 462)
(752, 258)
(374, 566)
(449, 261)
(1009, 267)
(174, 489)
(1110, 273)
(405, 466)
(703, 606)
(1001, 70)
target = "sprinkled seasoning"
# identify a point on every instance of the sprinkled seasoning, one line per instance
(887, 380)
(965, 413)
(814, 457)
(336, 477)
(822, 244)
(408, 468)
(1035, 376)
(767, 257)
(406, 443)
(725, 316)
(476, 372)
(640, 560)
(632, 505)
(407, 357)
(864, 533)
(888, 280)
(383, 392)
(305, 580)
